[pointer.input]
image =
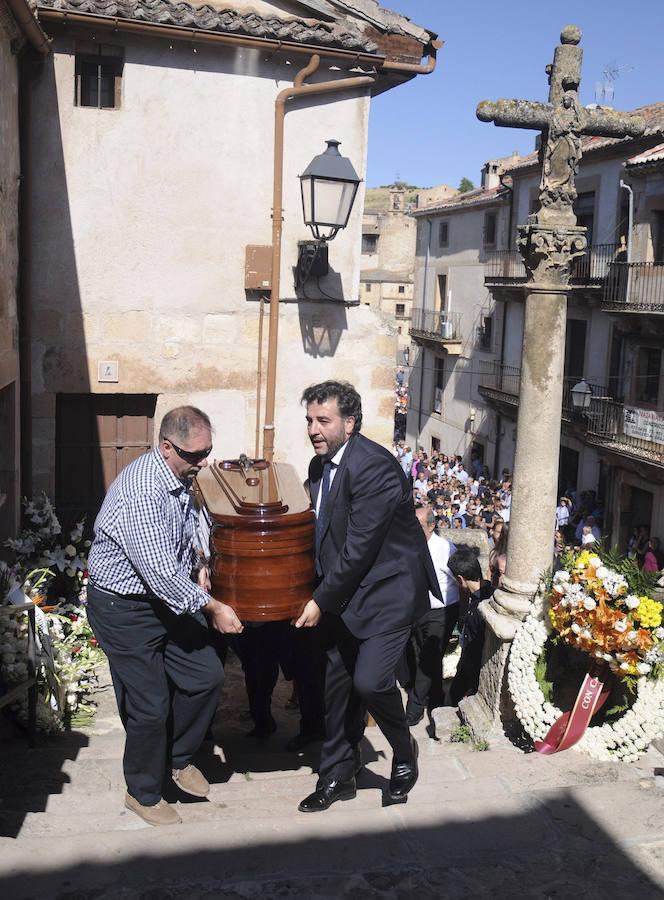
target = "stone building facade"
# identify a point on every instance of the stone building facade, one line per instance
(156, 165)
(615, 330)
(20, 38)
(455, 323)
(389, 234)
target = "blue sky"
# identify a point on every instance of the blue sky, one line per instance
(426, 131)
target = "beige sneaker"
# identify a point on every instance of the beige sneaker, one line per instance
(191, 781)
(160, 814)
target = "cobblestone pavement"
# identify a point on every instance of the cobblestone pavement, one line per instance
(499, 824)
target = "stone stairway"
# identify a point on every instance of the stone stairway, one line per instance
(498, 823)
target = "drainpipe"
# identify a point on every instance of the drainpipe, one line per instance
(425, 281)
(630, 225)
(26, 21)
(24, 305)
(298, 89)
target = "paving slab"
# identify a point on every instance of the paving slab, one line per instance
(496, 824)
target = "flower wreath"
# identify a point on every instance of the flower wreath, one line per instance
(629, 736)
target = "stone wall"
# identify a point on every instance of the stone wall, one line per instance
(9, 371)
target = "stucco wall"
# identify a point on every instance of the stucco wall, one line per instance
(145, 213)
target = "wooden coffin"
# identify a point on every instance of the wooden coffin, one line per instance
(262, 538)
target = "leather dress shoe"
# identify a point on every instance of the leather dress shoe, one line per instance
(328, 793)
(404, 775)
(300, 741)
(414, 716)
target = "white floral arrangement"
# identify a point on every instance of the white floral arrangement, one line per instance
(52, 574)
(590, 606)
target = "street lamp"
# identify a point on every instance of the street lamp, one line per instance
(581, 396)
(329, 185)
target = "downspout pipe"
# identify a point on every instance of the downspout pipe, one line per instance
(298, 89)
(630, 225)
(425, 281)
(26, 21)
(24, 292)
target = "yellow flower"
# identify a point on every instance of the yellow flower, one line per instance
(648, 613)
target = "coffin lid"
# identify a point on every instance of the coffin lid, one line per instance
(251, 488)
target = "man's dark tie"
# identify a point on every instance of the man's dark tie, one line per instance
(323, 516)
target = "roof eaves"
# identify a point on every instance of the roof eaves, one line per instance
(484, 199)
(340, 34)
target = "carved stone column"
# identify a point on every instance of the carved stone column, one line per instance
(548, 254)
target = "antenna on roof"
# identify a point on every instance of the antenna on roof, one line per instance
(605, 89)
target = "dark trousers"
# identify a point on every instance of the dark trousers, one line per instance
(467, 677)
(360, 676)
(421, 668)
(263, 649)
(167, 678)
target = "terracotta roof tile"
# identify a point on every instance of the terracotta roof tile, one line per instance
(653, 155)
(342, 34)
(468, 198)
(653, 113)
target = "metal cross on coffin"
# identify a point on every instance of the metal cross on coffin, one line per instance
(551, 239)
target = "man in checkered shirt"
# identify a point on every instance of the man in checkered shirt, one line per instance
(149, 615)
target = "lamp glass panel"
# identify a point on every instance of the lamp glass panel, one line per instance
(332, 201)
(307, 204)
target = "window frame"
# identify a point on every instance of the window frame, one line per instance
(490, 216)
(102, 56)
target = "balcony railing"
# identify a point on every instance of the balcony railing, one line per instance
(505, 267)
(436, 325)
(497, 377)
(634, 287)
(625, 429)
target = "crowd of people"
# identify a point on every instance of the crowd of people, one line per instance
(461, 497)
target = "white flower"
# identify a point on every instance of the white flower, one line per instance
(632, 636)
(576, 628)
(621, 625)
(561, 577)
(643, 668)
(632, 601)
(602, 572)
(595, 562)
(659, 634)
(624, 666)
(589, 603)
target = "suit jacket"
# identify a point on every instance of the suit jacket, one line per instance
(375, 563)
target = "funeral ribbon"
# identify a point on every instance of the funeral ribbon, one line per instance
(570, 727)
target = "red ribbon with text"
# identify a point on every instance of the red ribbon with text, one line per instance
(570, 727)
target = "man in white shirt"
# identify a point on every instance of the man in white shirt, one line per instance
(421, 671)
(461, 474)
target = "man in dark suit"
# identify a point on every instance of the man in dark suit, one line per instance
(374, 575)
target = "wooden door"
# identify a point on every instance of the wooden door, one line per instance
(97, 435)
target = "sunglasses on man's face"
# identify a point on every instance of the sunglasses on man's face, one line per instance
(190, 456)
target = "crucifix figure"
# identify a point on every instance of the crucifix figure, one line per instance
(548, 242)
(563, 122)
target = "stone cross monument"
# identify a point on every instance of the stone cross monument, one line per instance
(548, 243)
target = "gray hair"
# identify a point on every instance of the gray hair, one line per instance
(430, 518)
(181, 421)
